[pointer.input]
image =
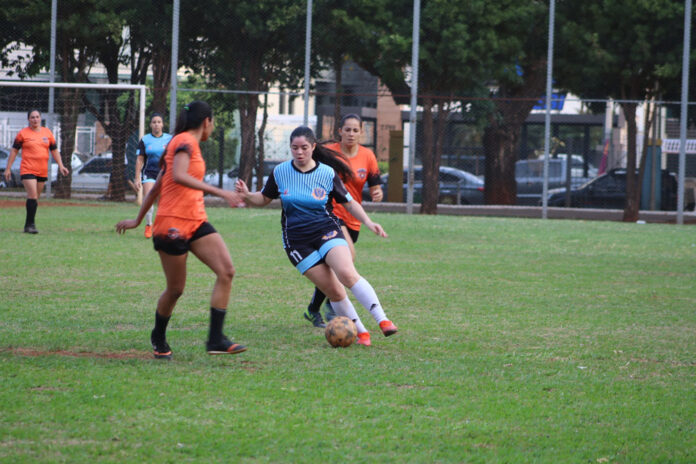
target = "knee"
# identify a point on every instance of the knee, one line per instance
(336, 293)
(348, 278)
(226, 273)
(175, 292)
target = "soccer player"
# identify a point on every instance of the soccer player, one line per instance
(363, 164)
(36, 142)
(312, 236)
(182, 225)
(149, 151)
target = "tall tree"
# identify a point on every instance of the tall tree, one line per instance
(626, 50)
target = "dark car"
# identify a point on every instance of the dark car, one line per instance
(4, 158)
(609, 191)
(457, 187)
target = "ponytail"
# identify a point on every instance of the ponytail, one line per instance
(321, 154)
(192, 116)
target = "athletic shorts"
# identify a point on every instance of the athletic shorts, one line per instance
(174, 236)
(33, 176)
(308, 253)
(150, 176)
(353, 233)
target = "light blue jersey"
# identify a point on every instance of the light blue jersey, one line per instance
(152, 148)
(306, 198)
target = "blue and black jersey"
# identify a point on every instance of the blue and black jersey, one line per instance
(306, 198)
(151, 148)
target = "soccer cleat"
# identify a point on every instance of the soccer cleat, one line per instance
(160, 347)
(388, 328)
(224, 346)
(30, 229)
(315, 319)
(364, 339)
(329, 313)
(148, 231)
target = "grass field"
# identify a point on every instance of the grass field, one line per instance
(520, 341)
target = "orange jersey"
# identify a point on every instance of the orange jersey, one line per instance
(177, 200)
(35, 146)
(365, 169)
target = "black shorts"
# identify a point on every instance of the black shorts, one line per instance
(33, 176)
(150, 174)
(180, 245)
(307, 253)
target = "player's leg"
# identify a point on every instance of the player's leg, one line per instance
(324, 278)
(147, 186)
(212, 251)
(174, 267)
(351, 236)
(32, 204)
(340, 261)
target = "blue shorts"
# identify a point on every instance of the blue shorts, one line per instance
(306, 254)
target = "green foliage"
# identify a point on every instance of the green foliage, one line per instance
(520, 341)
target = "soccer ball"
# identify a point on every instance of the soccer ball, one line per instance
(341, 331)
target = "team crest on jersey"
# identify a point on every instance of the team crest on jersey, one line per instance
(173, 233)
(45, 139)
(362, 173)
(319, 193)
(330, 235)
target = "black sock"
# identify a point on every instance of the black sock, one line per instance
(160, 325)
(317, 299)
(217, 319)
(32, 204)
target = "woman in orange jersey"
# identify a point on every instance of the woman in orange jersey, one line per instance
(181, 225)
(363, 163)
(36, 142)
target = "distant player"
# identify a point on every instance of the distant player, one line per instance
(182, 225)
(35, 142)
(312, 236)
(149, 151)
(363, 164)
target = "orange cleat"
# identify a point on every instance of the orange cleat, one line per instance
(148, 231)
(364, 339)
(388, 328)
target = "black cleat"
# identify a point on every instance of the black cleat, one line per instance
(160, 348)
(315, 319)
(224, 346)
(30, 229)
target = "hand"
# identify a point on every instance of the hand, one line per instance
(377, 229)
(137, 184)
(8, 175)
(126, 224)
(63, 170)
(376, 194)
(241, 187)
(233, 199)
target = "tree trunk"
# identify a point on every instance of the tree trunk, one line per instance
(500, 185)
(262, 146)
(68, 108)
(248, 107)
(161, 74)
(433, 135)
(632, 187)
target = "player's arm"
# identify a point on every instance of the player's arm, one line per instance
(356, 209)
(139, 161)
(257, 199)
(148, 201)
(10, 161)
(61, 167)
(181, 176)
(374, 181)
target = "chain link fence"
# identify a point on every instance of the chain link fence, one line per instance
(480, 132)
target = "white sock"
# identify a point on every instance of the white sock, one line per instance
(346, 308)
(148, 216)
(366, 295)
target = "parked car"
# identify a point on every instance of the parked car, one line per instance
(229, 179)
(94, 174)
(456, 186)
(4, 158)
(609, 191)
(529, 175)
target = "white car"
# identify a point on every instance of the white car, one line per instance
(94, 174)
(75, 164)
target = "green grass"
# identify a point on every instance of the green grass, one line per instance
(520, 341)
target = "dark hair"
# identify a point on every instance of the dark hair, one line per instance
(156, 115)
(338, 161)
(192, 116)
(31, 111)
(350, 116)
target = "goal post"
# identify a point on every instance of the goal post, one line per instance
(88, 119)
